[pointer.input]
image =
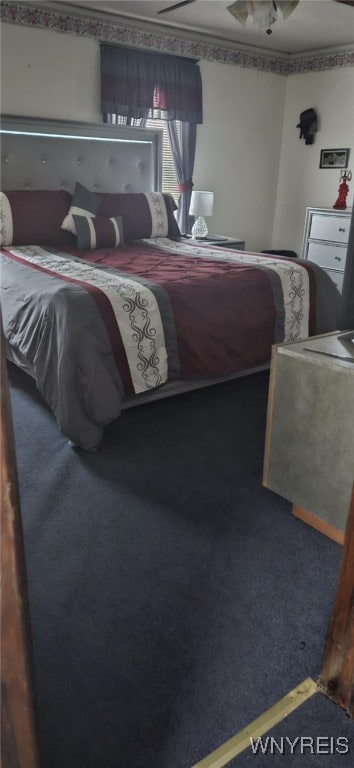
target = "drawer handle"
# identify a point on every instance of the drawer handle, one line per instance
(338, 258)
(341, 229)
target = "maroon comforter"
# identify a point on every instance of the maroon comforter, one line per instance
(149, 312)
(228, 308)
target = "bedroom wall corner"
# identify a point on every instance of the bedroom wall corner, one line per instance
(301, 182)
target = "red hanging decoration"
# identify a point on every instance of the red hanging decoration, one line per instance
(343, 190)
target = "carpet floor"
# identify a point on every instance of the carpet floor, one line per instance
(316, 735)
(173, 598)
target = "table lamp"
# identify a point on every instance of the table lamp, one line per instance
(201, 205)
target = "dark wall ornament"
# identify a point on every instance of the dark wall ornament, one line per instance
(308, 125)
(334, 158)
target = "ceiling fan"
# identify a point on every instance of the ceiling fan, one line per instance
(263, 12)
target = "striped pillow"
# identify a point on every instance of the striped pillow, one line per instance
(97, 232)
(84, 203)
(145, 214)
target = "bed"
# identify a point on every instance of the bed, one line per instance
(105, 305)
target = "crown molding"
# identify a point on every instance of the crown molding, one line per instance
(120, 30)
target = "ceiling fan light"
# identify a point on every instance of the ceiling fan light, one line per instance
(261, 9)
(239, 11)
(287, 7)
(263, 12)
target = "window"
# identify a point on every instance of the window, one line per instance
(169, 178)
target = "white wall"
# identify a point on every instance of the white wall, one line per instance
(238, 149)
(49, 74)
(248, 150)
(301, 182)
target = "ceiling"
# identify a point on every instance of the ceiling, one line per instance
(314, 25)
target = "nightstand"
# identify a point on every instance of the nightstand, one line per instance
(221, 241)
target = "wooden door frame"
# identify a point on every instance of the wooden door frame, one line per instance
(18, 733)
(337, 673)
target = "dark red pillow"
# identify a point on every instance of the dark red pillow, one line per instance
(144, 215)
(35, 217)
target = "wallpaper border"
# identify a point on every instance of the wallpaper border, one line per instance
(126, 33)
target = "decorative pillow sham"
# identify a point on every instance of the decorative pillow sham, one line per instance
(97, 232)
(84, 203)
(145, 214)
(34, 217)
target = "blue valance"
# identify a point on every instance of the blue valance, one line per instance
(140, 84)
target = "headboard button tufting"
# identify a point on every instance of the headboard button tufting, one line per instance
(81, 158)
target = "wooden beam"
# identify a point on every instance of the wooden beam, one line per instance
(264, 723)
(18, 739)
(337, 673)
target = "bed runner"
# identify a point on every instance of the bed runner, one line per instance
(293, 277)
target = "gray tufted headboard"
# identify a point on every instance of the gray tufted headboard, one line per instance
(43, 154)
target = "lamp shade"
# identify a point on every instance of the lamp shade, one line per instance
(201, 204)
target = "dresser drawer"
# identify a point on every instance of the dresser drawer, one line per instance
(334, 228)
(328, 256)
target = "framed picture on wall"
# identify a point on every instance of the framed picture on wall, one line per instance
(334, 158)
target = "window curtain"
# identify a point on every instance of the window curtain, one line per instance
(183, 151)
(139, 85)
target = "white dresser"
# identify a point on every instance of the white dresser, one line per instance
(325, 241)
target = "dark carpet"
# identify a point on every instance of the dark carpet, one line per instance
(173, 598)
(317, 735)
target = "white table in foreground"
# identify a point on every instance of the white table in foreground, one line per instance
(309, 450)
